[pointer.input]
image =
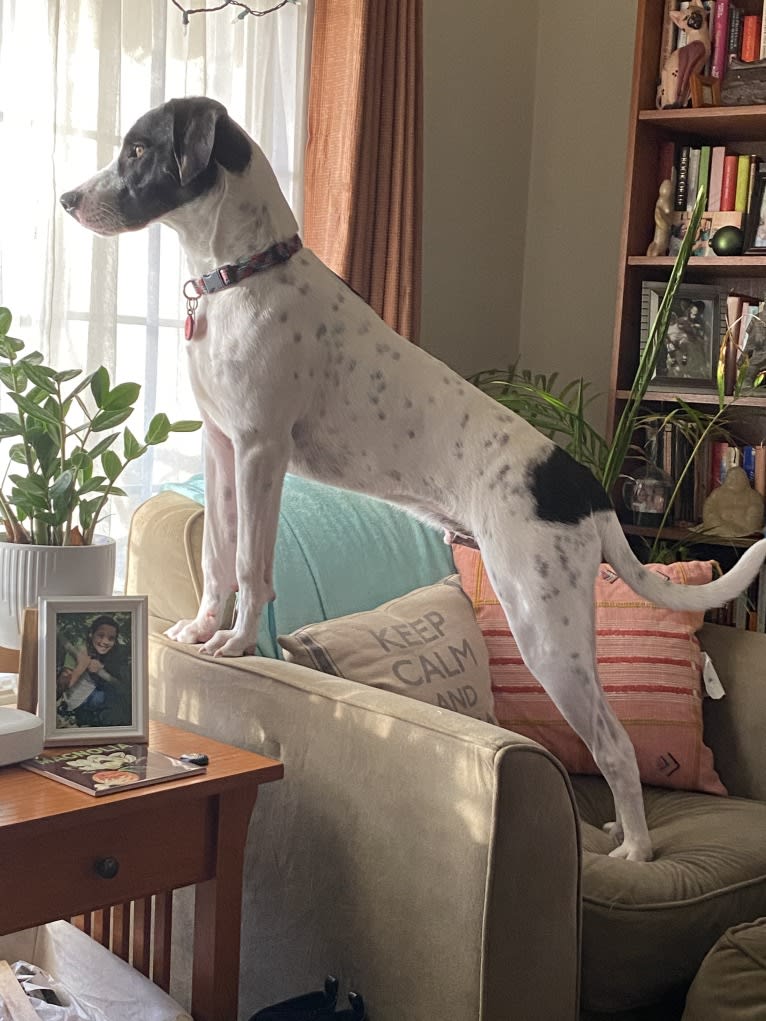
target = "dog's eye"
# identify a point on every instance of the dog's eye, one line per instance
(136, 151)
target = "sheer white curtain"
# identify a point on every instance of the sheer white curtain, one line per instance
(74, 75)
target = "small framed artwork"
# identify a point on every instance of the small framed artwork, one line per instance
(755, 223)
(92, 672)
(705, 91)
(688, 357)
(753, 344)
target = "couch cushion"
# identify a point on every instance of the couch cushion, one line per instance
(647, 927)
(649, 665)
(426, 645)
(731, 983)
(338, 552)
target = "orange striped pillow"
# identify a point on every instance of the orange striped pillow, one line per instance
(650, 668)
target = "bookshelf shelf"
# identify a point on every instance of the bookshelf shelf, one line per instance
(724, 123)
(738, 266)
(695, 397)
(678, 534)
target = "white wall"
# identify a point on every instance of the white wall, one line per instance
(582, 96)
(479, 60)
(526, 111)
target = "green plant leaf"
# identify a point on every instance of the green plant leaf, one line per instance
(41, 376)
(102, 445)
(33, 358)
(93, 485)
(18, 453)
(9, 347)
(109, 419)
(29, 407)
(159, 429)
(62, 485)
(185, 426)
(111, 464)
(10, 425)
(99, 386)
(66, 374)
(130, 446)
(5, 320)
(124, 395)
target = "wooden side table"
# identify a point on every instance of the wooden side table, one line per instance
(55, 842)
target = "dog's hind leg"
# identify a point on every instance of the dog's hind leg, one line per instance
(551, 613)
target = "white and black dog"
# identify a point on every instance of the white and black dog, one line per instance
(293, 371)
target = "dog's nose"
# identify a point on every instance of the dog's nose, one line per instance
(70, 200)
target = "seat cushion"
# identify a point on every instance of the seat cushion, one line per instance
(648, 926)
(731, 983)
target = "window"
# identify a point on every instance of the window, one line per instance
(74, 75)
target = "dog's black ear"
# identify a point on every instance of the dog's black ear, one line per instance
(202, 131)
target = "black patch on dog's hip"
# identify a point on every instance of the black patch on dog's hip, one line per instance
(564, 490)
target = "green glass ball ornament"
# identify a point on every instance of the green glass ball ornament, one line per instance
(727, 240)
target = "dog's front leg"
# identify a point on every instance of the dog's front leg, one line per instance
(260, 467)
(219, 541)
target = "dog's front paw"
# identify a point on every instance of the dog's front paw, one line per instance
(229, 643)
(191, 632)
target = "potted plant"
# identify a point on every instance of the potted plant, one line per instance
(66, 456)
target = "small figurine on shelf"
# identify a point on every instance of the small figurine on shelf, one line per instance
(683, 62)
(734, 508)
(663, 220)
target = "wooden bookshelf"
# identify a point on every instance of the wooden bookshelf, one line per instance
(743, 130)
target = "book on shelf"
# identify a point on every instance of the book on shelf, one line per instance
(729, 183)
(720, 41)
(110, 768)
(750, 46)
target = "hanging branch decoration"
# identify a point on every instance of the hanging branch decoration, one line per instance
(246, 9)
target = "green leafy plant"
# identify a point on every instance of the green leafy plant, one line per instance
(63, 465)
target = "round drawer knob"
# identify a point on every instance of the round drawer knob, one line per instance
(107, 868)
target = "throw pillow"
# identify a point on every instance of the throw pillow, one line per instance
(425, 644)
(650, 668)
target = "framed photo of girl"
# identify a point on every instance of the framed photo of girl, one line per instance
(92, 679)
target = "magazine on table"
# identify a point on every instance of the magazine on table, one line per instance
(110, 768)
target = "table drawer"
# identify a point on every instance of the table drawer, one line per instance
(154, 849)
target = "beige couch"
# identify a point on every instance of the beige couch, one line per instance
(438, 864)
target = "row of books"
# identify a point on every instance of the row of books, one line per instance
(735, 34)
(728, 177)
(731, 181)
(708, 469)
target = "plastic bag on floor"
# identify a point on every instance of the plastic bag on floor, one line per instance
(49, 998)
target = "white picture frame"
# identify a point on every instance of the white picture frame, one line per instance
(93, 685)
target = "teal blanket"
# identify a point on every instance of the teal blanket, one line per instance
(339, 552)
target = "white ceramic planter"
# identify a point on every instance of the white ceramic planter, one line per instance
(27, 572)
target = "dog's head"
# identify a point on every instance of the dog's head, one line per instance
(169, 157)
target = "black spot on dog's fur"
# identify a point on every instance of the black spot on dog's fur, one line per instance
(564, 491)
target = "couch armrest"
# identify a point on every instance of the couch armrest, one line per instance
(164, 558)
(430, 860)
(734, 725)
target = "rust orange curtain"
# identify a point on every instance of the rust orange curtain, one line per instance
(364, 156)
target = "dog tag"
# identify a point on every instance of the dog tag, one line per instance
(191, 308)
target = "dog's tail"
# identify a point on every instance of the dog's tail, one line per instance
(656, 589)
